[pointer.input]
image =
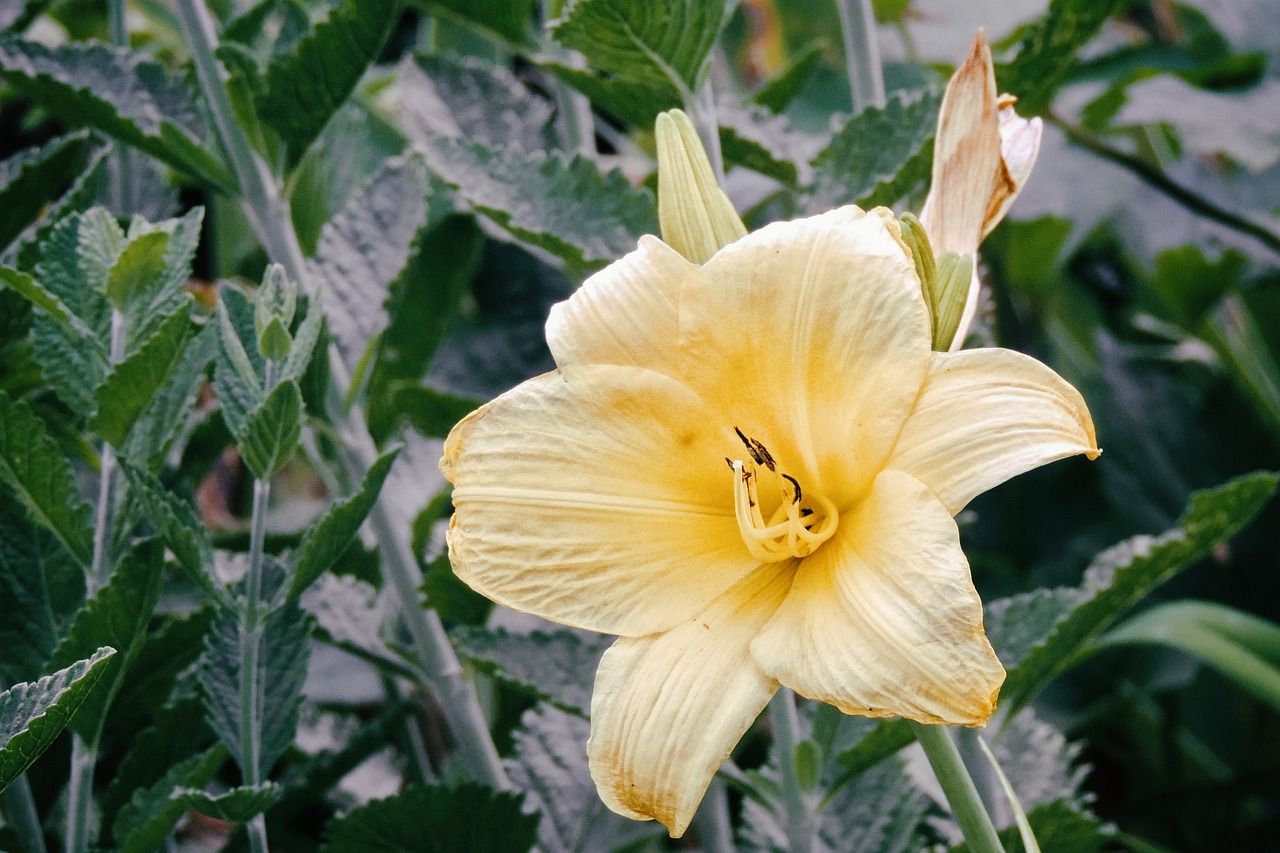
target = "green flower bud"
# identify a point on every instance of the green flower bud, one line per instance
(696, 217)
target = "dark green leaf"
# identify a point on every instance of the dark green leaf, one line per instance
(31, 179)
(508, 19)
(143, 823)
(1048, 51)
(282, 667)
(766, 144)
(137, 268)
(659, 42)
(364, 248)
(432, 412)
(32, 465)
(117, 92)
(305, 86)
(239, 805)
(271, 431)
(558, 668)
(161, 293)
(328, 536)
(1117, 579)
(42, 587)
(238, 370)
(177, 523)
(117, 616)
(635, 103)
(53, 308)
(166, 419)
(457, 603)
(878, 156)
(779, 91)
(887, 738)
(33, 714)
(565, 206)
(435, 819)
(80, 196)
(131, 386)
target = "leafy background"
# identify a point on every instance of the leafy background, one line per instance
(447, 171)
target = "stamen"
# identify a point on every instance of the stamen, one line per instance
(792, 530)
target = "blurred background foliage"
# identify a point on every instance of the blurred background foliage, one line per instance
(1142, 261)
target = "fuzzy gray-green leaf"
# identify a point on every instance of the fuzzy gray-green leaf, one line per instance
(271, 431)
(131, 386)
(558, 668)
(32, 715)
(239, 805)
(31, 179)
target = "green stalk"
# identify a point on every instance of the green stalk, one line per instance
(251, 704)
(861, 53)
(84, 752)
(268, 212)
(962, 795)
(786, 734)
(121, 163)
(20, 811)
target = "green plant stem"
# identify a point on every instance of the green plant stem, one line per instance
(268, 213)
(1153, 177)
(121, 164)
(861, 53)
(20, 812)
(786, 734)
(251, 704)
(957, 785)
(84, 752)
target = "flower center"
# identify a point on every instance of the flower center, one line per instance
(796, 527)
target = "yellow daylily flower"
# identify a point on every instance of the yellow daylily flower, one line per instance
(983, 154)
(748, 470)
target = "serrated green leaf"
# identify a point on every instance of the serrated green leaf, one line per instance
(31, 179)
(282, 667)
(144, 822)
(558, 668)
(177, 523)
(878, 156)
(42, 587)
(435, 819)
(271, 431)
(156, 433)
(779, 91)
(80, 196)
(33, 714)
(465, 97)
(238, 370)
(364, 248)
(117, 616)
(168, 288)
(887, 738)
(766, 144)
(304, 344)
(549, 766)
(136, 270)
(1117, 579)
(130, 387)
(649, 41)
(55, 309)
(508, 19)
(1048, 50)
(33, 467)
(566, 206)
(1062, 826)
(636, 103)
(117, 92)
(330, 534)
(306, 85)
(239, 805)
(17, 16)
(432, 412)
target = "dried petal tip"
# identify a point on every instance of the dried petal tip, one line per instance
(696, 216)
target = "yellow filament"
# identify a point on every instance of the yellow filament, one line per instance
(788, 533)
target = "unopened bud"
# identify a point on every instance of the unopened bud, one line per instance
(696, 216)
(944, 281)
(273, 312)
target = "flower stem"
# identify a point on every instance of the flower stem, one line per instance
(268, 212)
(962, 795)
(786, 734)
(20, 811)
(251, 704)
(861, 53)
(1155, 178)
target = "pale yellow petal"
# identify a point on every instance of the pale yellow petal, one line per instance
(624, 314)
(883, 620)
(1019, 146)
(596, 496)
(812, 337)
(986, 415)
(967, 167)
(667, 710)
